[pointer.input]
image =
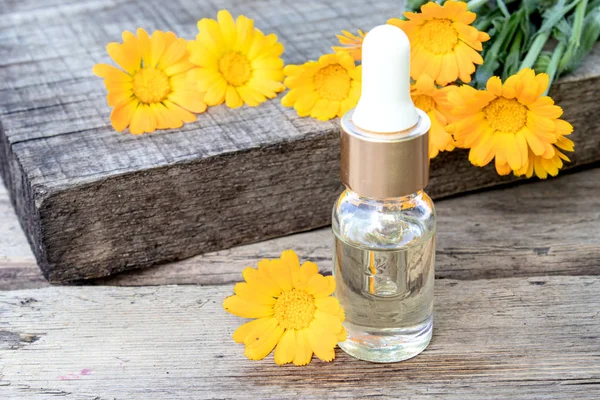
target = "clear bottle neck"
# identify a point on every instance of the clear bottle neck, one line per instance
(388, 200)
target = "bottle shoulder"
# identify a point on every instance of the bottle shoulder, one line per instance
(383, 224)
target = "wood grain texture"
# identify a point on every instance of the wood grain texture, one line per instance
(516, 338)
(540, 228)
(94, 202)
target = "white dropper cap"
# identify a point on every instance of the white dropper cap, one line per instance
(385, 104)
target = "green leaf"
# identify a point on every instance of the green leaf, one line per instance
(562, 31)
(495, 54)
(414, 5)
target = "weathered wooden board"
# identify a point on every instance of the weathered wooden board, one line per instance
(94, 202)
(540, 228)
(515, 338)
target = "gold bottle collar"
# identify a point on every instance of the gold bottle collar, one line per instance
(384, 165)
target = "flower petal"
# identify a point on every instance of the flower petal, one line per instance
(286, 348)
(321, 341)
(143, 120)
(494, 86)
(343, 335)
(250, 96)
(328, 322)
(243, 331)
(179, 112)
(260, 348)
(173, 53)
(303, 349)
(290, 258)
(260, 330)
(227, 27)
(245, 309)
(126, 55)
(117, 97)
(281, 275)
(252, 294)
(232, 98)
(165, 119)
(318, 284)
(301, 276)
(257, 279)
(330, 305)
(215, 94)
(244, 34)
(121, 115)
(190, 100)
(110, 73)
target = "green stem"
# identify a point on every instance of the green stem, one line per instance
(575, 38)
(511, 64)
(505, 35)
(545, 30)
(534, 51)
(473, 5)
(483, 24)
(553, 65)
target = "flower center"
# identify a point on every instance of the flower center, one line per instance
(235, 68)
(506, 115)
(332, 82)
(295, 309)
(425, 103)
(438, 36)
(151, 85)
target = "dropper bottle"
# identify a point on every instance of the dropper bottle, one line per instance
(384, 223)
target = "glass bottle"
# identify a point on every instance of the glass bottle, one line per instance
(384, 257)
(384, 223)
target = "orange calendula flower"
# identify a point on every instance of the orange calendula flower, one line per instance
(513, 123)
(152, 91)
(323, 89)
(293, 310)
(443, 43)
(351, 44)
(239, 63)
(434, 102)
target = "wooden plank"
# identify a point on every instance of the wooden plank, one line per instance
(94, 202)
(18, 268)
(519, 338)
(542, 228)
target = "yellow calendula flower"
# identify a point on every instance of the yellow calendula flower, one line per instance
(239, 64)
(513, 123)
(351, 44)
(433, 100)
(294, 311)
(152, 91)
(323, 89)
(443, 43)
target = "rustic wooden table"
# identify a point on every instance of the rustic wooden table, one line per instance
(517, 294)
(517, 314)
(96, 202)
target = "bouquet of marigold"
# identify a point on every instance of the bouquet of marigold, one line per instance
(484, 79)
